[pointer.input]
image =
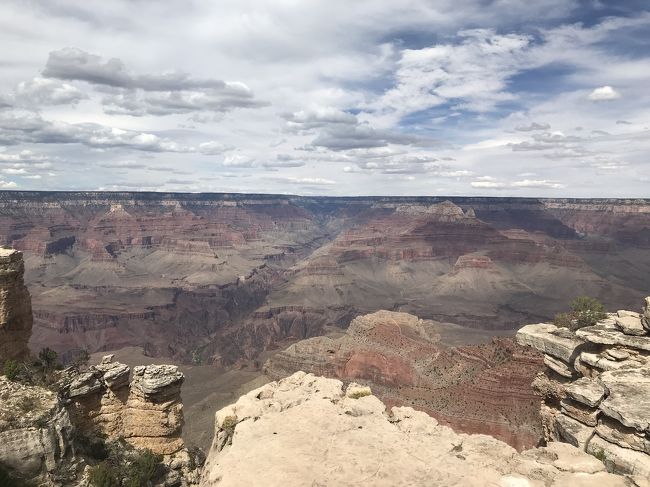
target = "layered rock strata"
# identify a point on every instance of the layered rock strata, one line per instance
(596, 388)
(308, 430)
(15, 307)
(146, 411)
(474, 389)
(35, 430)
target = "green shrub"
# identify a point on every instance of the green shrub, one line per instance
(104, 475)
(11, 369)
(587, 311)
(48, 358)
(143, 469)
(563, 320)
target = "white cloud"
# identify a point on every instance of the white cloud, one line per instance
(604, 93)
(7, 184)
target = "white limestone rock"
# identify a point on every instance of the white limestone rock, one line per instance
(305, 430)
(628, 400)
(559, 343)
(631, 325)
(587, 391)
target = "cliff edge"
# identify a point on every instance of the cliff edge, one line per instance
(15, 307)
(596, 387)
(308, 430)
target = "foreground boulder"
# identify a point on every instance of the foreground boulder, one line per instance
(35, 430)
(597, 387)
(308, 430)
(15, 307)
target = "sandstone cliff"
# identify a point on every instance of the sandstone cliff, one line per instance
(15, 307)
(596, 387)
(307, 430)
(474, 389)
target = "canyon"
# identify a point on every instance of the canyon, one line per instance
(223, 278)
(253, 287)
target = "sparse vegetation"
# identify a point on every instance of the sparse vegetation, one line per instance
(126, 467)
(143, 469)
(48, 358)
(599, 453)
(229, 424)
(104, 475)
(585, 311)
(11, 369)
(359, 394)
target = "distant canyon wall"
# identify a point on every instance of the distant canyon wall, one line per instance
(221, 278)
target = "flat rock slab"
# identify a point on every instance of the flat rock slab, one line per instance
(606, 336)
(586, 391)
(580, 412)
(629, 397)
(617, 353)
(551, 340)
(558, 366)
(631, 325)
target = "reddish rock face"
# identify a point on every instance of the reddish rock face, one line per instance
(475, 389)
(223, 278)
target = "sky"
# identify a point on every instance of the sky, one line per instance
(549, 98)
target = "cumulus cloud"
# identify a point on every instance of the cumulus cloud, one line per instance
(238, 160)
(283, 161)
(532, 127)
(149, 94)
(339, 131)
(18, 127)
(7, 184)
(42, 92)
(213, 148)
(604, 93)
(471, 74)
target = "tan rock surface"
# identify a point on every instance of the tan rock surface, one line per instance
(35, 429)
(305, 430)
(607, 410)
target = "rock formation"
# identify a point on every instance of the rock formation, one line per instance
(35, 429)
(307, 430)
(596, 387)
(146, 411)
(474, 388)
(15, 307)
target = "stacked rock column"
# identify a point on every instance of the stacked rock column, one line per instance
(596, 387)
